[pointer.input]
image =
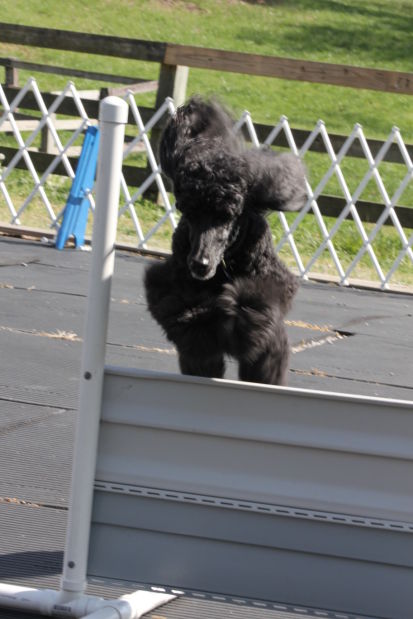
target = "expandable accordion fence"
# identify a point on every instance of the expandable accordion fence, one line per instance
(338, 176)
(271, 493)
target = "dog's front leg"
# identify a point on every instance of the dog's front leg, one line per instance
(257, 336)
(197, 364)
(200, 343)
(267, 362)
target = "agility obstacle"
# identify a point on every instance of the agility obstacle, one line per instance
(285, 495)
(76, 211)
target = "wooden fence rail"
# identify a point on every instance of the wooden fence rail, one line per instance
(136, 84)
(174, 55)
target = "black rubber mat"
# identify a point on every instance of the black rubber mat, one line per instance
(36, 444)
(344, 340)
(47, 296)
(39, 370)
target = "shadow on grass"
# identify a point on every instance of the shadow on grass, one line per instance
(330, 27)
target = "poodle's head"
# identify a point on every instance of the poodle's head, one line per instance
(217, 181)
(194, 125)
(210, 194)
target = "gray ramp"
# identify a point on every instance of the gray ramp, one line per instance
(258, 492)
(253, 555)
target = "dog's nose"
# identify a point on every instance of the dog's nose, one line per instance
(199, 267)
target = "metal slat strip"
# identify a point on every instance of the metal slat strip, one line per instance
(250, 506)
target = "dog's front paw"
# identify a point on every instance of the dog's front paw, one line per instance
(228, 301)
(251, 316)
(193, 313)
(241, 297)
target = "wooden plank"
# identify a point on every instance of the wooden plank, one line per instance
(139, 88)
(25, 231)
(290, 68)
(134, 176)
(11, 73)
(214, 59)
(68, 106)
(369, 212)
(58, 70)
(23, 125)
(41, 161)
(31, 125)
(84, 42)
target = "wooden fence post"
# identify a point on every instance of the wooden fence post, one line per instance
(172, 83)
(47, 144)
(11, 73)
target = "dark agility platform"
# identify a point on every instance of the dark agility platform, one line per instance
(343, 340)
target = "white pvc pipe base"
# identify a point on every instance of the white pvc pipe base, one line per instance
(48, 602)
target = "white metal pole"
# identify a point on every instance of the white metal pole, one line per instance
(113, 116)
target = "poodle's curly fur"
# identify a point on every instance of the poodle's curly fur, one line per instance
(224, 291)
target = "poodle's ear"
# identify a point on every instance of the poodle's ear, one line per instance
(188, 121)
(276, 181)
(196, 114)
(197, 121)
(208, 119)
(167, 149)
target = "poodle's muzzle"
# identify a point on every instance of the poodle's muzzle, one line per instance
(208, 246)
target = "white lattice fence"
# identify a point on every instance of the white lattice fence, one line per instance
(154, 173)
(351, 199)
(38, 188)
(326, 249)
(26, 146)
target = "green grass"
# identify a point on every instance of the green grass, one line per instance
(355, 32)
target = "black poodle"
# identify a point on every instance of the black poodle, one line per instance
(223, 291)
